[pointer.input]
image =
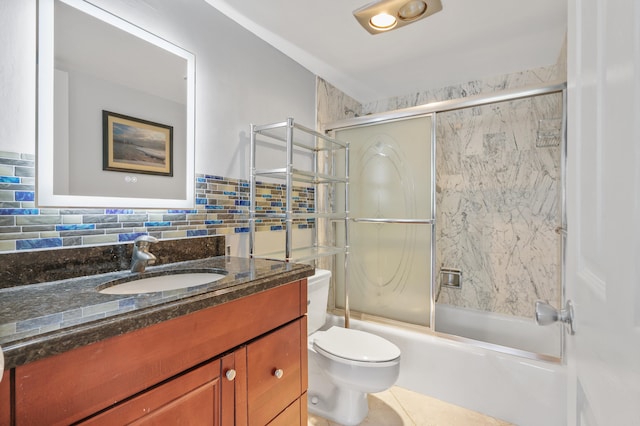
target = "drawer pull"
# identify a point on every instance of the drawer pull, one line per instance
(278, 373)
(230, 374)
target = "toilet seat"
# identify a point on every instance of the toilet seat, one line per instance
(355, 346)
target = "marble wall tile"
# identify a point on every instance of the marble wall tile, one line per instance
(333, 105)
(463, 90)
(498, 206)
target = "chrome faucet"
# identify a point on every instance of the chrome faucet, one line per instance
(141, 256)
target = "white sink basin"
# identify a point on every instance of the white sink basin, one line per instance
(161, 283)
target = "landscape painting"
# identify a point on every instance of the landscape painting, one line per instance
(134, 145)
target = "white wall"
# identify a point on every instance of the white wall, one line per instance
(17, 76)
(240, 79)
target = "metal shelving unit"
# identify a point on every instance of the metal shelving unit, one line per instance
(295, 136)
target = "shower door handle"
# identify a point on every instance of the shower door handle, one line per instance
(547, 314)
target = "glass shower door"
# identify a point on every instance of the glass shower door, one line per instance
(389, 271)
(501, 226)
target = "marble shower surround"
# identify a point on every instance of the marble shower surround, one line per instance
(498, 206)
(482, 86)
(508, 248)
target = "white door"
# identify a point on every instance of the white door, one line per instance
(603, 206)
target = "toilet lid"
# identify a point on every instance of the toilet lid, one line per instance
(356, 345)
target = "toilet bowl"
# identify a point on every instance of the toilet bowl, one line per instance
(344, 364)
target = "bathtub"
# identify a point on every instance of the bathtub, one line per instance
(515, 389)
(499, 329)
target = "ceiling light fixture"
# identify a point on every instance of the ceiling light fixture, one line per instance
(383, 21)
(385, 15)
(412, 10)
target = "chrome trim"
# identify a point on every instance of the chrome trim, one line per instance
(269, 130)
(270, 126)
(432, 255)
(451, 105)
(288, 198)
(392, 220)
(563, 212)
(545, 314)
(252, 190)
(321, 135)
(346, 238)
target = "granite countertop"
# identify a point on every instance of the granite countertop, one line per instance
(44, 319)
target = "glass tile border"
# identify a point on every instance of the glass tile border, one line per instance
(222, 207)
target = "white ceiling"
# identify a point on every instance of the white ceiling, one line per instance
(468, 39)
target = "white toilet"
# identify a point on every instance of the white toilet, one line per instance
(344, 364)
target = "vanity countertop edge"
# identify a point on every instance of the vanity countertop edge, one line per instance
(53, 301)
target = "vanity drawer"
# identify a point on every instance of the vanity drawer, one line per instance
(292, 415)
(281, 351)
(190, 399)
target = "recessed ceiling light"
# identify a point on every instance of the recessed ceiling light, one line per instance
(383, 21)
(397, 13)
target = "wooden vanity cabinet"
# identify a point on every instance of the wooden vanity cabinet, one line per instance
(5, 399)
(216, 366)
(262, 380)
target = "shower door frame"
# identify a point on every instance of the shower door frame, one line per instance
(433, 109)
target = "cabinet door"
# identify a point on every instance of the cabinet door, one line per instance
(5, 399)
(274, 369)
(190, 399)
(234, 388)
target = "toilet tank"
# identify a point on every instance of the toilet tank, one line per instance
(317, 296)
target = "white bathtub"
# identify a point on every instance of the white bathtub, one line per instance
(499, 329)
(521, 391)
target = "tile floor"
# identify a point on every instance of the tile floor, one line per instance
(401, 407)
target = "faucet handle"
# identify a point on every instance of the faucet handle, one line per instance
(145, 239)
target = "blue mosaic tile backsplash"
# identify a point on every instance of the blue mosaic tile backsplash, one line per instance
(222, 207)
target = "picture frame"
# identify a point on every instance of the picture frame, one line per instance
(134, 145)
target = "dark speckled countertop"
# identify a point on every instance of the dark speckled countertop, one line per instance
(44, 319)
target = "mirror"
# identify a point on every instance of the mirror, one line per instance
(115, 112)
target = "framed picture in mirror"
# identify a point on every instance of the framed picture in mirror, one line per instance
(134, 145)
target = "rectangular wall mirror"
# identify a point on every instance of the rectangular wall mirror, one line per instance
(115, 112)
